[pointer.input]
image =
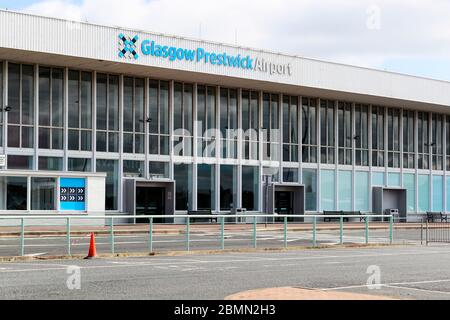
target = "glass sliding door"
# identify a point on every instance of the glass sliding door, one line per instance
(206, 187)
(43, 193)
(228, 187)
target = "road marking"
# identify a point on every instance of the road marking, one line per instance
(35, 254)
(278, 259)
(388, 284)
(418, 289)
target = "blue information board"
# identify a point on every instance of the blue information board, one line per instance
(72, 194)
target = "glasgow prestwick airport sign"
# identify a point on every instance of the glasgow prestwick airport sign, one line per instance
(128, 48)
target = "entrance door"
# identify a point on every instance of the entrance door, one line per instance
(284, 202)
(150, 201)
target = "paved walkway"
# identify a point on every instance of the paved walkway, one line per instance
(288, 293)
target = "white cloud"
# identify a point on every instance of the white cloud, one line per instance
(328, 29)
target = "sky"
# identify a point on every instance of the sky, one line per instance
(406, 36)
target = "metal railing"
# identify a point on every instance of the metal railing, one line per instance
(187, 225)
(434, 232)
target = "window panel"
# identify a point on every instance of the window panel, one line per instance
(438, 193)
(378, 136)
(51, 102)
(424, 193)
(424, 141)
(437, 147)
(393, 138)
(345, 190)
(290, 125)
(228, 122)
(133, 115)
(361, 135)
(21, 101)
(310, 183)
(250, 125)
(111, 167)
(43, 193)
(362, 191)
(108, 111)
(159, 117)
(80, 111)
(409, 183)
(79, 164)
(327, 190)
(271, 134)
(409, 146)
(309, 134)
(327, 132)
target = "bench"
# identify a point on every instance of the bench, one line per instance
(342, 213)
(432, 216)
(202, 213)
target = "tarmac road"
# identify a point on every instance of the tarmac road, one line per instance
(411, 272)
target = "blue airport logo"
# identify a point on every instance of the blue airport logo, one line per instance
(128, 47)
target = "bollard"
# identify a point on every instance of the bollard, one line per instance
(367, 231)
(22, 237)
(391, 230)
(112, 235)
(150, 235)
(222, 233)
(188, 222)
(285, 233)
(68, 237)
(341, 230)
(254, 232)
(314, 231)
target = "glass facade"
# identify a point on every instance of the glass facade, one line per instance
(183, 179)
(409, 183)
(250, 187)
(345, 191)
(394, 180)
(438, 193)
(310, 183)
(424, 193)
(228, 187)
(362, 191)
(64, 119)
(111, 168)
(328, 189)
(205, 187)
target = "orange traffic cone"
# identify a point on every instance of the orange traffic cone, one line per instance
(92, 251)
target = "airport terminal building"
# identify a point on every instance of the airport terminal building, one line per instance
(105, 120)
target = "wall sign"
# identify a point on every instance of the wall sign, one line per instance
(72, 194)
